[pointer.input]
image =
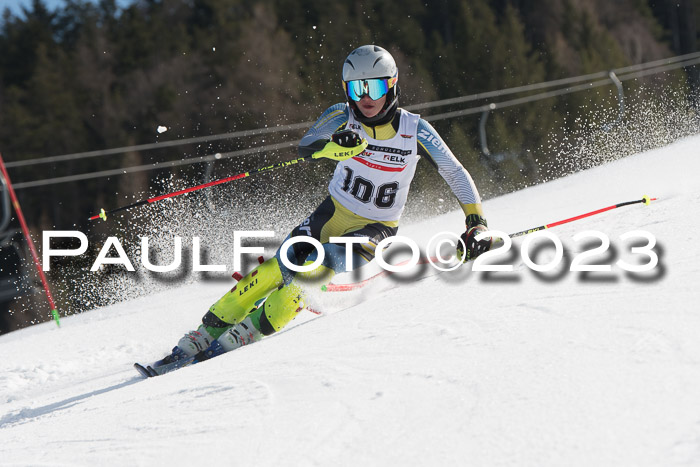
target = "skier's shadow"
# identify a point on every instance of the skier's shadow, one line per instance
(24, 415)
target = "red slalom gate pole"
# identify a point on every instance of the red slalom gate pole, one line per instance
(32, 249)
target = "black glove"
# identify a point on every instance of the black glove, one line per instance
(347, 138)
(475, 225)
(343, 145)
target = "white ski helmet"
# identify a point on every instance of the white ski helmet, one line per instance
(371, 62)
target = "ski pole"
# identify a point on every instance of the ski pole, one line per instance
(645, 200)
(103, 214)
(358, 285)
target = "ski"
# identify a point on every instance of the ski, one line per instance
(149, 371)
(178, 359)
(142, 370)
(154, 369)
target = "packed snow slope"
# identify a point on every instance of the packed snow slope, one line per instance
(462, 368)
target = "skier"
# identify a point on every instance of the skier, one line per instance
(377, 146)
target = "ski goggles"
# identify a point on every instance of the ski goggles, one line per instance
(375, 88)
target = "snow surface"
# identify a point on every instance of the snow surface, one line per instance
(460, 368)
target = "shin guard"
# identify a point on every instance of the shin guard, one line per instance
(233, 307)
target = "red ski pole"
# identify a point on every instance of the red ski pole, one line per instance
(32, 249)
(645, 200)
(103, 214)
(358, 285)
